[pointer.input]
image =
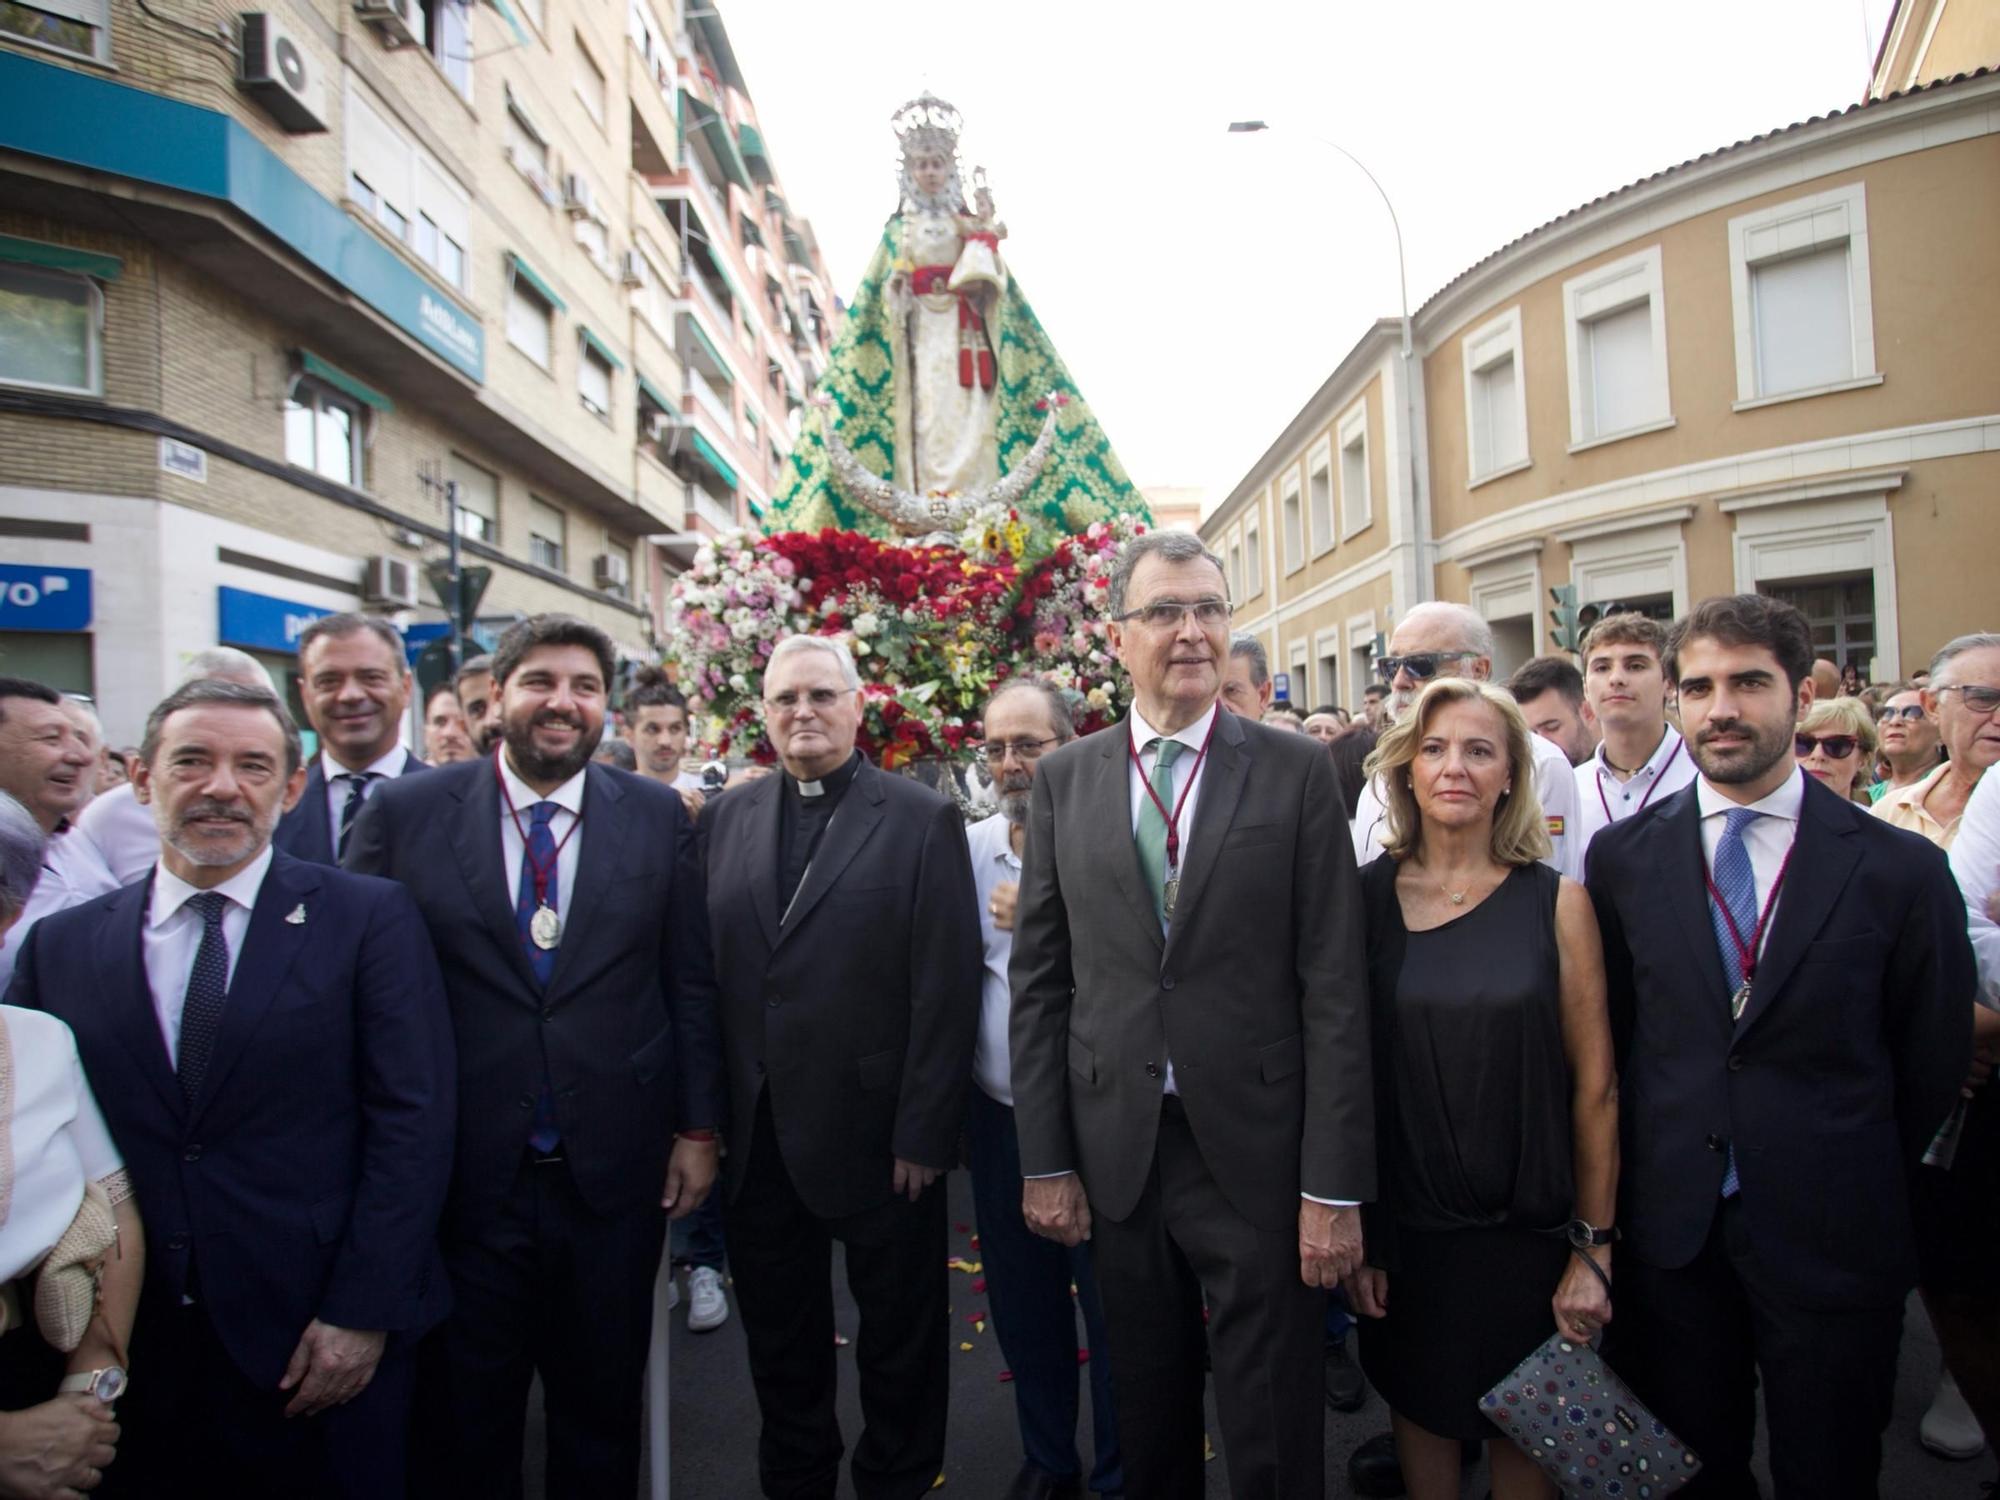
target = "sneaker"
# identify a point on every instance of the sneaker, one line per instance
(708, 1308)
(1949, 1429)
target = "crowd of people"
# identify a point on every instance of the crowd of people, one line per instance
(1649, 1000)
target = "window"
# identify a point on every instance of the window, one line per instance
(1496, 411)
(1293, 522)
(593, 382)
(478, 499)
(1319, 498)
(1253, 554)
(618, 552)
(546, 530)
(532, 9)
(1799, 288)
(528, 319)
(1357, 506)
(525, 144)
(51, 330)
(595, 238)
(1841, 612)
(1327, 644)
(1615, 330)
(1235, 556)
(448, 37)
(323, 432)
(405, 191)
(441, 250)
(74, 26)
(589, 82)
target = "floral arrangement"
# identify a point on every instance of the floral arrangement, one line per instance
(934, 629)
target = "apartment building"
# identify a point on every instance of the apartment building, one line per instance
(275, 283)
(1767, 368)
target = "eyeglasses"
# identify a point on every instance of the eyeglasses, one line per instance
(1167, 614)
(1837, 746)
(821, 699)
(1980, 700)
(1907, 711)
(995, 751)
(1421, 665)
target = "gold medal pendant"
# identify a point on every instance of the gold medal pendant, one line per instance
(545, 927)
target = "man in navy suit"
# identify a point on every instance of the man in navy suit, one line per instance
(1788, 983)
(566, 901)
(269, 1042)
(356, 686)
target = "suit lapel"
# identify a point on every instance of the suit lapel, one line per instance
(475, 838)
(1108, 796)
(1823, 857)
(598, 857)
(313, 838)
(270, 947)
(1224, 770)
(121, 965)
(1676, 839)
(853, 821)
(760, 850)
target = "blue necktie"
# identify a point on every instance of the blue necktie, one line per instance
(357, 793)
(1737, 883)
(540, 854)
(208, 987)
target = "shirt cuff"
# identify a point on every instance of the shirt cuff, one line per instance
(1331, 1202)
(1045, 1176)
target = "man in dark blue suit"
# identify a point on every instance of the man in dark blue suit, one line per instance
(356, 687)
(270, 1045)
(1788, 982)
(566, 901)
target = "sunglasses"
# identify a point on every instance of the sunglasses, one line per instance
(1837, 746)
(1422, 665)
(1907, 711)
(1979, 700)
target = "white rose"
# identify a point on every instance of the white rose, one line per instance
(866, 624)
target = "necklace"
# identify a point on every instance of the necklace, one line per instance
(1456, 898)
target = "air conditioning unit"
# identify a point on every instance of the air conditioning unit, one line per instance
(282, 73)
(391, 583)
(528, 167)
(391, 20)
(577, 200)
(662, 427)
(612, 571)
(632, 268)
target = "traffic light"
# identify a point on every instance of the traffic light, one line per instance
(1564, 633)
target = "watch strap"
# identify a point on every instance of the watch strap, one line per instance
(83, 1380)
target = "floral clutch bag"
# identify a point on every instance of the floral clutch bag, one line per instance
(1565, 1409)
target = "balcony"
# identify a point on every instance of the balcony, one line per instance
(711, 401)
(716, 515)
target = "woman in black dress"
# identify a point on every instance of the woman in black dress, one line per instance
(1496, 1099)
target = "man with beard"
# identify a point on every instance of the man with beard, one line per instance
(269, 1043)
(356, 687)
(474, 686)
(1550, 692)
(447, 736)
(1788, 982)
(1028, 1278)
(566, 903)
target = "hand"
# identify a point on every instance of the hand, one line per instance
(1581, 1303)
(1056, 1208)
(693, 801)
(911, 1178)
(330, 1367)
(56, 1451)
(1367, 1291)
(1985, 1048)
(691, 1173)
(1001, 907)
(1329, 1243)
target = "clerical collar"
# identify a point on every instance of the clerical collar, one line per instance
(831, 784)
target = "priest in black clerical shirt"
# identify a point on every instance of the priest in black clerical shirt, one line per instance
(848, 954)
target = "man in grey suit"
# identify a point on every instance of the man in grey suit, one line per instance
(1190, 1042)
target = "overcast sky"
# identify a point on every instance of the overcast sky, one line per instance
(1201, 285)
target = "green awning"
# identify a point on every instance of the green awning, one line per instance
(513, 21)
(755, 509)
(601, 347)
(713, 353)
(60, 258)
(542, 289)
(340, 380)
(754, 155)
(713, 459)
(653, 394)
(720, 141)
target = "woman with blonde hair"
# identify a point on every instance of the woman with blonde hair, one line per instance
(1835, 742)
(1496, 1099)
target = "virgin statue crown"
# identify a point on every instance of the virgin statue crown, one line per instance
(927, 124)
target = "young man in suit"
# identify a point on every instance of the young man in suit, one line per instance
(357, 688)
(847, 940)
(565, 899)
(1788, 984)
(1191, 1065)
(269, 1043)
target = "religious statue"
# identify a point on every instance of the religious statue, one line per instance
(945, 401)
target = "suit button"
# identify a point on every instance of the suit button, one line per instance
(772, 998)
(177, 1242)
(527, 1101)
(760, 1068)
(1714, 1143)
(548, 1014)
(1166, 981)
(1735, 1062)
(193, 1153)
(1152, 1070)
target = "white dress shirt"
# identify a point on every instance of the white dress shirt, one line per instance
(568, 799)
(1769, 838)
(1555, 787)
(172, 936)
(72, 873)
(994, 863)
(337, 792)
(1602, 799)
(53, 1139)
(1975, 861)
(121, 829)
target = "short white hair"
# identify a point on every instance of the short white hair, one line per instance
(22, 843)
(1474, 634)
(792, 645)
(228, 664)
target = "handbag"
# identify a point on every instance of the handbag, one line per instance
(67, 1283)
(1567, 1410)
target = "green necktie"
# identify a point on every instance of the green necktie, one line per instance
(1152, 834)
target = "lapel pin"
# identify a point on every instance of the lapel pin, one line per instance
(297, 915)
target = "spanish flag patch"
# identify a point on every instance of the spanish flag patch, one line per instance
(1555, 825)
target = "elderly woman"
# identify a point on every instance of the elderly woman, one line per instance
(1836, 742)
(56, 1431)
(1496, 1100)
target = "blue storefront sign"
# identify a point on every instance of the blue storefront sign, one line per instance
(258, 622)
(53, 599)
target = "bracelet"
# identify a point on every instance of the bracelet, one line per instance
(1595, 1269)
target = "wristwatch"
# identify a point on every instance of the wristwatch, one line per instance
(106, 1384)
(1586, 1236)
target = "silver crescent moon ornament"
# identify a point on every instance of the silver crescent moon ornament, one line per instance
(545, 927)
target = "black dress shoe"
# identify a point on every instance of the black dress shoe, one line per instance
(1038, 1484)
(1373, 1469)
(1346, 1388)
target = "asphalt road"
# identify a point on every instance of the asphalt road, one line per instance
(714, 1413)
